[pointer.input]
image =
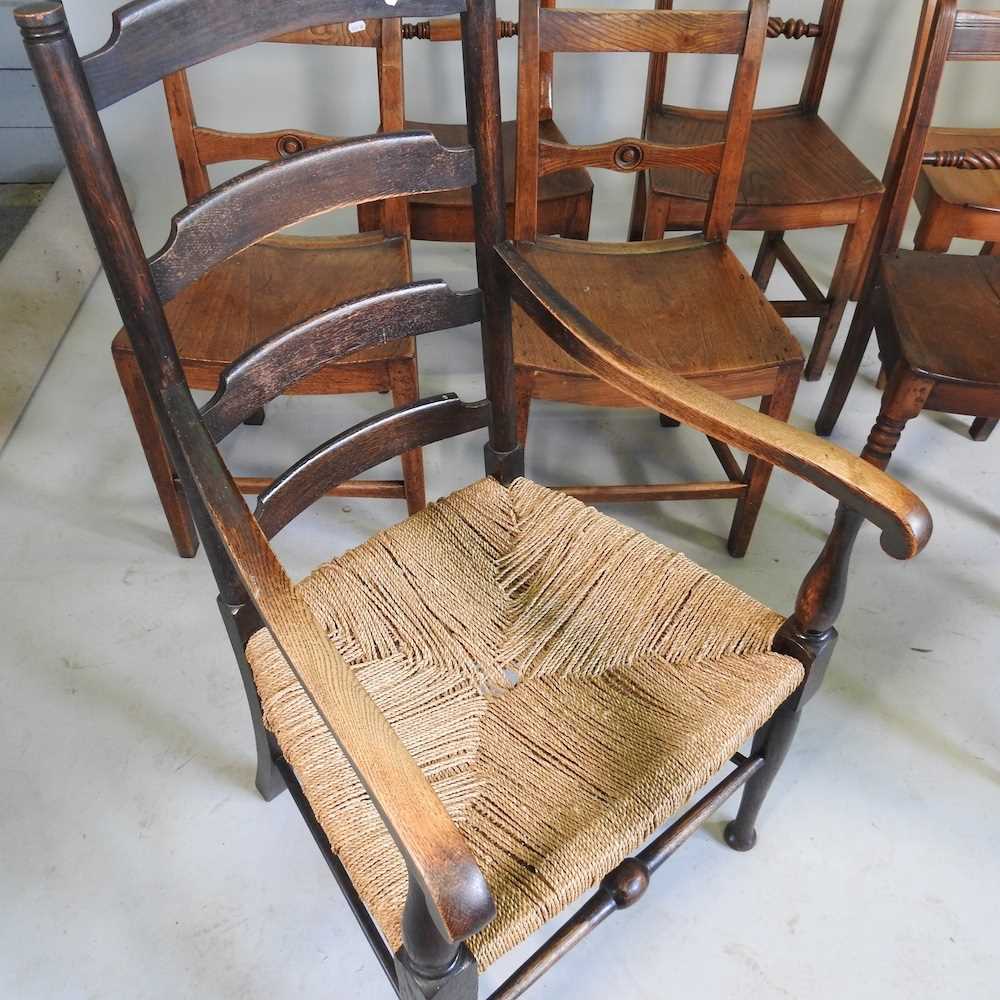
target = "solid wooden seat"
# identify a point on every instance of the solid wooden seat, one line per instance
(563, 198)
(825, 169)
(654, 687)
(945, 314)
(685, 304)
(271, 286)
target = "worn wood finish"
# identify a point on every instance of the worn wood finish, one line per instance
(284, 359)
(263, 201)
(685, 304)
(798, 175)
(720, 33)
(154, 38)
(362, 447)
(215, 146)
(935, 316)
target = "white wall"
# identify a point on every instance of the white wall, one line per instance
(596, 97)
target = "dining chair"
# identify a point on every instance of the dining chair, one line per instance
(498, 704)
(564, 199)
(686, 304)
(798, 175)
(936, 315)
(224, 315)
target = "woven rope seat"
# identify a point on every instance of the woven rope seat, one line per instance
(566, 684)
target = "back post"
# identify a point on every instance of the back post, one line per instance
(504, 456)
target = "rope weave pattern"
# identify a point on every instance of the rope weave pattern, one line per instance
(566, 684)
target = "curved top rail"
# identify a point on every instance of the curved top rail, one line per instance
(152, 38)
(273, 197)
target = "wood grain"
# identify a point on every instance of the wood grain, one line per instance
(630, 154)
(976, 35)
(710, 32)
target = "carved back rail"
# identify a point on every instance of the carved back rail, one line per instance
(543, 30)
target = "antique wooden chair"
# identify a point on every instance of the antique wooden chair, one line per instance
(686, 304)
(936, 316)
(798, 175)
(223, 315)
(487, 709)
(564, 198)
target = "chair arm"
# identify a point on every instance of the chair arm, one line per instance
(904, 520)
(439, 861)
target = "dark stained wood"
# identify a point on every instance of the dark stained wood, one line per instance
(936, 316)
(362, 447)
(976, 35)
(154, 38)
(792, 27)
(721, 33)
(687, 305)
(798, 175)
(284, 359)
(263, 201)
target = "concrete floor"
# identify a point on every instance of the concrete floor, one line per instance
(137, 861)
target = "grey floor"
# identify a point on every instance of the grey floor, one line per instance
(137, 862)
(17, 205)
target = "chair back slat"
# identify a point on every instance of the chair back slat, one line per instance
(976, 36)
(365, 34)
(363, 447)
(154, 38)
(706, 32)
(657, 31)
(264, 201)
(220, 146)
(629, 154)
(286, 358)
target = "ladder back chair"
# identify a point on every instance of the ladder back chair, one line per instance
(936, 315)
(392, 691)
(798, 175)
(564, 198)
(223, 315)
(687, 304)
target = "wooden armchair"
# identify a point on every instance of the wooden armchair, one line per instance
(936, 316)
(798, 175)
(686, 303)
(430, 698)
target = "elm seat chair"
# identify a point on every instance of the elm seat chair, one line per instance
(685, 304)
(237, 304)
(564, 199)
(936, 315)
(961, 204)
(506, 624)
(798, 175)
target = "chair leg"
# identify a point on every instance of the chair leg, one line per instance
(405, 386)
(758, 472)
(524, 385)
(773, 741)
(904, 398)
(845, 277)
(982, 428)
(847, 369)
(934, 234)
(657, 218)
(767, 255)
(175, 506)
